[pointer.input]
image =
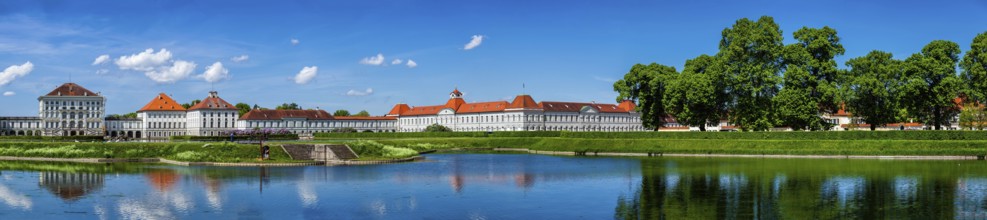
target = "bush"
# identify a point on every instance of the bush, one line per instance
(344, 130)
(54, 138)
(192, 152)
(437, 128)
(270, 137)
(374, 149)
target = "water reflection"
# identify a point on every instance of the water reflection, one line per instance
(15, 199)
(70, 186)
(793, 189)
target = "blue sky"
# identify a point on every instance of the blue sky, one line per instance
(561, 50)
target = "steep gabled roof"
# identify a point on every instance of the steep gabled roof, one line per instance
(213, 102)
(482, 107)
(71, 89)
(268, 114)
(162, 103)
(523, 102)
(454, 103)
(627, 106)
(399, 109)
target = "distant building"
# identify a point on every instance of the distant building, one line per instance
(71, 110)
(162, 117)
(213, 116)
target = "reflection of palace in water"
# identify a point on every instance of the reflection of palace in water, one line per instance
(70, 186)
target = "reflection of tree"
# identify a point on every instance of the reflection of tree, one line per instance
(702, 188)
(70, 186)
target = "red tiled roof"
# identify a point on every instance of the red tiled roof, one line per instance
(365, 117)
(456, 92)
(71, 89)
(162, 103)
(609, 108)
(399, 109)
(213, 103)
(482, 107)
(627, 106)
(424, 110)
(577, 106)
(454, 103)
(523, 102)
(268, 114)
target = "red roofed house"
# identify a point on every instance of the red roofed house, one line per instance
(521, 114)
(163, 117)
(213, 116)
(71, 110)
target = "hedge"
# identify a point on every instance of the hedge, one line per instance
(273, 137)
(192, 152)
(53, 138)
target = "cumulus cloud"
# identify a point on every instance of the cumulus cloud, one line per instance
(306, 74)
(179, 70)
(101, 59)
(102, 71)
(294, 41)
(15, 71)
(215, 73)
(9, 93)
(369, 91)
(396, 62)
(475, 42)
(144, 61)
(411, 63)
(157, 66)
(374, 60)
(240, 58)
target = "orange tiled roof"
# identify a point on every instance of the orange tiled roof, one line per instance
(577, 106)
(162, 103)
(71, 89)
(399, 109)
(482, 107)
(213, 103)
(424, 110)
(365, 117)
(523, 102)
(454, 103)
(627, 106)
(268, 114)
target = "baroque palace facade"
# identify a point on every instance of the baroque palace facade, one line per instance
(71, 110)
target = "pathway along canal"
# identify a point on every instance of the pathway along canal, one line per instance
(503, 186)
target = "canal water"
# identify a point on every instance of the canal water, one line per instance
(503, 186)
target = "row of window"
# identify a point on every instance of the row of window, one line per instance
(518, 118)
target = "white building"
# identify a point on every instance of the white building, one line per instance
(71, 110)
(522, 114)
(162, 118)
(311, 121)
(213, 116)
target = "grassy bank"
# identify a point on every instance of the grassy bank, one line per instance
(706, 146)
(190, 152)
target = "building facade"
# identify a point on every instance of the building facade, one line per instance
(71, 110)
(213, 116)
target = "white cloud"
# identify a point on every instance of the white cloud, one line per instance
(9, 93)
(306, 74)
(102, 71)
(411, 64)
(14, 71)
(369, 91)
(374, 60)
(215, 73)
(240, 58)
(101, 59)
(475, 42)
(294, 41)
(179, 70)
(144, 61)
(396, 62)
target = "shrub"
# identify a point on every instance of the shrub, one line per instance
(437, 128)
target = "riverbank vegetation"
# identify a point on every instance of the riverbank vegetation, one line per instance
(618, 136)
(189, 152)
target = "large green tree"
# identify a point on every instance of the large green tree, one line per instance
(974, 66)
(932, 83)
(810, 80)
(243, 108)
(289, 106)
(341, 112)
(647, 85)
(695, 97)
(873, 88)
(751, 52)
(363, 113)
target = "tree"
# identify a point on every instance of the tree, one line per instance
(932, 84)
(341, 112)
(695, 96)
(362, 113)
(437, 128)
(287, 106)
(810, 79)
(243, 107)
(751, 54)
(647, 85)
(972, 117)
(873, 87)
(190, 104)
(974, 66)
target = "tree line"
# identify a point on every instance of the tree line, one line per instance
(756, 82)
